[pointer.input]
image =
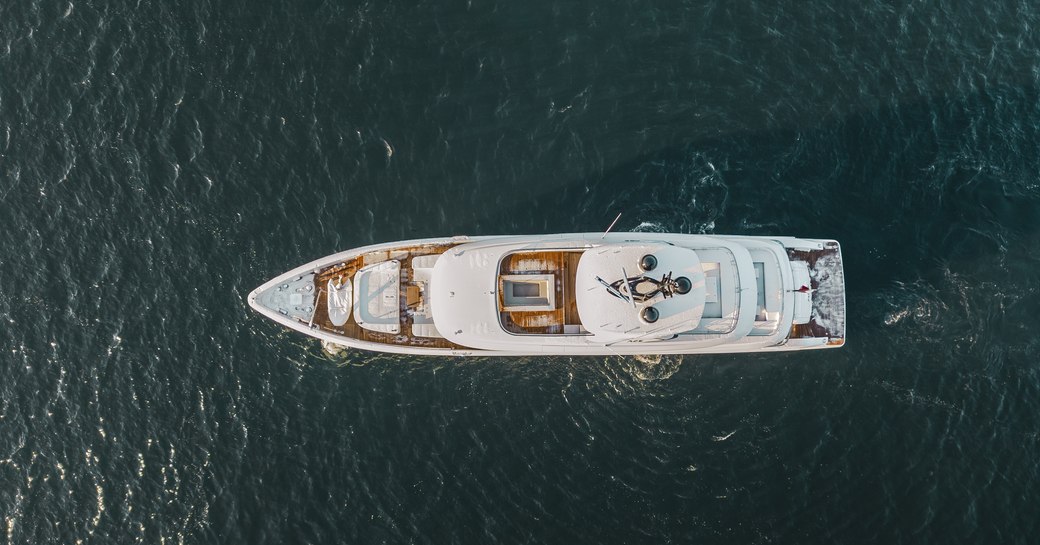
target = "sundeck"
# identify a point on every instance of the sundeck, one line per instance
(579, 294)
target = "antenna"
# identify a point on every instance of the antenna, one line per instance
(610, 289)
(611, 226)
(628, 288)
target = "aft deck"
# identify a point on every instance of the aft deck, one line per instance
(561, 267)
(410, 297)
(828, 295)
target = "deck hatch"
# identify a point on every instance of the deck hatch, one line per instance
(528, 292)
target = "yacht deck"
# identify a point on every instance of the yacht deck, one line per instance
(409, 297)
(563, 319)
(828, 295)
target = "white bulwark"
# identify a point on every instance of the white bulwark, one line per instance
(579, 294)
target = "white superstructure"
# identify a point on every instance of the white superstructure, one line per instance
(580, 294)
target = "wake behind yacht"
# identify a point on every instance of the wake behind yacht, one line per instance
(569, 294)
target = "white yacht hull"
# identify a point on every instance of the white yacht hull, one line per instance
(400, 319)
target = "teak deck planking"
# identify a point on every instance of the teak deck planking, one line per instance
(351, 328)
(562, 265)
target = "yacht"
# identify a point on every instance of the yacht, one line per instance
(569, 294)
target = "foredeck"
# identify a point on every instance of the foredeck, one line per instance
(562, 265)
(407, 297)
(828, 295)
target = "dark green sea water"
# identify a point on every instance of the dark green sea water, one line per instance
(159, 159)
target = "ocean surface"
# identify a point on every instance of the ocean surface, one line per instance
(159, 159)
